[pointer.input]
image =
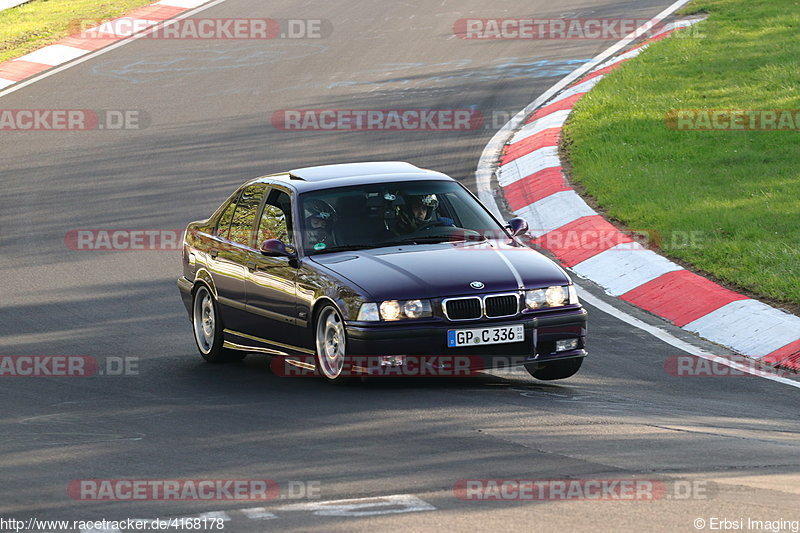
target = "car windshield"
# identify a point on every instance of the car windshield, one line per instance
(387, 214)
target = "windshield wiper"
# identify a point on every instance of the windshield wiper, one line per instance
(344, 248)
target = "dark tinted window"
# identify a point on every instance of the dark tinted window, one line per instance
(245, 214)
(381, 214)
(276, 222)
(224, 222)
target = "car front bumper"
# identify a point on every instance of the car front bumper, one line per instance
(541, 334)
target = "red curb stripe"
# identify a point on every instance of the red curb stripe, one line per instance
(681, 296)
(154, 12)
(793, 362)
(548, 137)
(89, 41)
(566, 103)
(581, 239)
(657, 38)
(601, 72)
(532, 188)
(18, 70)
(790, 353)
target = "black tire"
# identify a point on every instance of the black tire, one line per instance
(555, 370)
(207, 327)
(330, 342)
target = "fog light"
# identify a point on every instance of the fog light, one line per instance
(393, 360)
(566, 345)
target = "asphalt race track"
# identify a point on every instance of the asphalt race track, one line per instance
(719, 447)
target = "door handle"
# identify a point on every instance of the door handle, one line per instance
(251, 265)
(213, 254)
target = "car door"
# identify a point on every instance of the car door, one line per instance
(271, 281)
(228, 255)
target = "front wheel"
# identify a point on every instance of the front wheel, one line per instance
(331, 343)
(207, 327)
(555, 370)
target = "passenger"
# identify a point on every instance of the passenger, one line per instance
(319, 217)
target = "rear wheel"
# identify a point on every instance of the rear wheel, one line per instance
(555, 370)
(331, 343)
(207, 326)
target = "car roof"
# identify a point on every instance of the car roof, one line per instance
(343, 175)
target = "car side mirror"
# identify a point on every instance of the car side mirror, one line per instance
(276, 248)
(517, 225)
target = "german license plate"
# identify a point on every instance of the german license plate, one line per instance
(483, 336)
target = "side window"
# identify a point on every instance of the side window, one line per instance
(244, 216)
(276, 222)
(224, 222)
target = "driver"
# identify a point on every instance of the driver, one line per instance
(319, 217)
(418, 211)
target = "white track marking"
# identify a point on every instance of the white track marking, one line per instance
(528, 164)
(554, 211)
(624, 267)
(491, 153)
(555, 119)
(670, 339)
(109, 48)
(750, 327)
(581, 88)
(398, 503)
(8, 4)
(52, 55)
(258, 513)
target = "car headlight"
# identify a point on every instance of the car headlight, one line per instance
(555, 296)
(392, 310)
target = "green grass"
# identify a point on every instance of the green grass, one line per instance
(737, 194)
(41, 22)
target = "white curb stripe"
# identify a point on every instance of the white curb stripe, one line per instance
(628, 55)
(624, 267)
(748, 326)
(5, 83)
(187, 4)
(554, 211)
(676, 342)
(555, 119)
(53, 55)
(8, 4)
(584, 87)
(528, 164)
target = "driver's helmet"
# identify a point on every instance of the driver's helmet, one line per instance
(418, 210)
(319, 218)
